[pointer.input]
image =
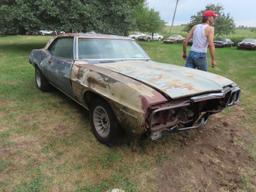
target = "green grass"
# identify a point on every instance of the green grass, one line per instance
(46, 142)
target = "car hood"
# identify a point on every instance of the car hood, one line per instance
(172, 80)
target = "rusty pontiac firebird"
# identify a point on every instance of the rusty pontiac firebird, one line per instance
(123, 89)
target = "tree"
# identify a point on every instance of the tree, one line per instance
(147, 20)
(224, 24)
(105, 16)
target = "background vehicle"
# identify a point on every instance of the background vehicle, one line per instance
(144, 37)
(174, 39)
(249, 44)
(124, 90)
(157, 37)
(220, 43)
(135, 35)
(46, 32)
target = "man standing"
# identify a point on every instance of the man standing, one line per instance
(202, 36)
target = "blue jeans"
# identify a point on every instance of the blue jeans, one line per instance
(197, 60)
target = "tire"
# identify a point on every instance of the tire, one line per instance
(104, 123)
(40, 81)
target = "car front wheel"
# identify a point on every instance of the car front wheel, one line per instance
(104, 123)
(41, 81)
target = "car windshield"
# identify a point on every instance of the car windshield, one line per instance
(107, 49)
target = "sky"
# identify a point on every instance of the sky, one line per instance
(242, 11)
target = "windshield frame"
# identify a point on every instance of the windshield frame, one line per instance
(108, 59)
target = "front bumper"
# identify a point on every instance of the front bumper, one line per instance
(191, 113)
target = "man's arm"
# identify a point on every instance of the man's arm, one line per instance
(211, 45)
(185, 42)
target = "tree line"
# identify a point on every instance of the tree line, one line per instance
(104, 16)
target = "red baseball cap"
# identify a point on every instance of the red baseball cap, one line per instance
(210, 13)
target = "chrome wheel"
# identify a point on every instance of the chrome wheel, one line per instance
(38, 79)
(101, 121)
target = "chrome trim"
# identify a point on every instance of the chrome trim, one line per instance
(208, 96)
(184, 104)
(202, 120)
(234, 96)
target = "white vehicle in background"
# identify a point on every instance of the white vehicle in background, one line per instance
(145, 37)
(136, 35)
(157, 37)
(174, 39)
(60, 32)
(46, 32)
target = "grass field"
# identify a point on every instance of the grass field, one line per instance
(46, 143)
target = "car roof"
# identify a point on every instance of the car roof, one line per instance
(89, 35)
(92, 35)
(249, 39)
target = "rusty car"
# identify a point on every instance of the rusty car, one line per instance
(125, 91)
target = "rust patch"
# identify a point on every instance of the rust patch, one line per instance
(144, 102)
(147, 101)
(181, 85)
(92, 81)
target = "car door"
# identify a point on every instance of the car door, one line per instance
(58, 65)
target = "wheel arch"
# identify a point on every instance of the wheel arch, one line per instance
(89, 95)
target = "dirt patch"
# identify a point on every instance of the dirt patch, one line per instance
(2, 114)
(4, 102)
(62, 130)
(210, 159)
(26, 118)
(4, 152)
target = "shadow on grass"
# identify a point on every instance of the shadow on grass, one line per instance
(70, 102)
(21, 47)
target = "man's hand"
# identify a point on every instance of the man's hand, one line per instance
(213, 62)
(184, 56)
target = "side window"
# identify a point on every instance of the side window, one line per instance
(62, 47)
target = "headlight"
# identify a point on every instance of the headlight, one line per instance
(162, 117)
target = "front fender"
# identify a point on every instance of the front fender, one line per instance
(129, 98)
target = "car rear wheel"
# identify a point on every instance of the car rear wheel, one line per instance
(103, 122)
(41, 81)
